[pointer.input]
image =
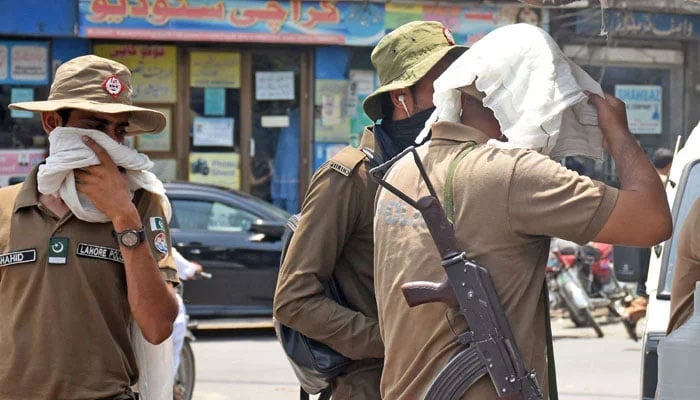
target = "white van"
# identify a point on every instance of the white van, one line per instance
(682, 189)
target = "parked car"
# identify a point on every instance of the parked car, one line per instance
(682, 189)
(237, 238)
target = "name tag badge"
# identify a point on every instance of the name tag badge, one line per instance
(100, 252)
(58, 250)
(18, 257)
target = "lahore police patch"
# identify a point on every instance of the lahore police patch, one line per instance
(113, 85)
(160, 243)
(100, 252)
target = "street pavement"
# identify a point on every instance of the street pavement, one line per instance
(250, 364)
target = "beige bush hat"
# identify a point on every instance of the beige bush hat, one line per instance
(97, 84)
(405, 55)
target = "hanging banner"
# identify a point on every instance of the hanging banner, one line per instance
(153, 69)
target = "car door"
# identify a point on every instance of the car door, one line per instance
(214, 231)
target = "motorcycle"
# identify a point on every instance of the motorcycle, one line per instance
(183, 388)
(594, 268)
(566, 291)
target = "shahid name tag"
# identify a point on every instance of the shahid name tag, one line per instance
(103, 253)
(18, 257)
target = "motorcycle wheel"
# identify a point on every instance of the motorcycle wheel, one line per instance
(590, 321)
(184, 379)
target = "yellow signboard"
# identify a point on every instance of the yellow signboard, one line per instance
(215, 169)
(153, 69)
(215, 69)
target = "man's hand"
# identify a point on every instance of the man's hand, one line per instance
(104, 184)
(612, 118)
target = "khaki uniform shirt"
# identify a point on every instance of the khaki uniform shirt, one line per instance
(334, 238)
(687, 270)
(507, 203)
(64, 320)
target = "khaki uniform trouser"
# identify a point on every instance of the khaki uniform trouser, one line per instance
(361, 382)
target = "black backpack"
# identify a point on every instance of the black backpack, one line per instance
(314, 363)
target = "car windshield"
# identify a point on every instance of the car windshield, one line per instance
(272, 209)
(691, 191)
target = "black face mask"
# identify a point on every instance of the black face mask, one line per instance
(403, 132)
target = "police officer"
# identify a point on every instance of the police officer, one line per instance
(687, 271)
(508, 202)
(334, 236)
(69, 287)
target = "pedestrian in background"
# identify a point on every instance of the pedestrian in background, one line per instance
(334, 236)
(85, 245)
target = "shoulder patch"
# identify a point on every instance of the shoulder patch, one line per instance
(346, 160)
(339, 167)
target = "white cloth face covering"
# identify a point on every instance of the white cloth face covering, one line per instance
(533, 89)
(67, 152)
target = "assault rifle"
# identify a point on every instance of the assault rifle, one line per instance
(488, 343)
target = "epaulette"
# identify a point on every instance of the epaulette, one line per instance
(346, 160)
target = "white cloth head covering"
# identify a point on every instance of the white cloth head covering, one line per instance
(533, 89)
(67, 151)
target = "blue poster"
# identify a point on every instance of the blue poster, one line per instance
(18, 95)
(214, 101)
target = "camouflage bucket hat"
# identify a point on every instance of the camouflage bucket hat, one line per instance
(96, 84)
(405, 55)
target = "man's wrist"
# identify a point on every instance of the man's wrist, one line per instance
(127, 221)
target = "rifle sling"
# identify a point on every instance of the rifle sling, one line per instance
(551, 368)
(452, 377)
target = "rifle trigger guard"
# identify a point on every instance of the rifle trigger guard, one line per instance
(465, 337)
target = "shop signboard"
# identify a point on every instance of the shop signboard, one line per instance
(295, 21)
(643, 103)
(640, 24)
(219, 169)
(288, 21)
(24, 63)
(15, 164)
(153, 69)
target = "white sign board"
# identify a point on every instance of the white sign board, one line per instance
(3, 62)
(212, 131)
(274, 85)
(29, 63)
(644, 111)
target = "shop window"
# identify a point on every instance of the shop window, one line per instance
(275, 144)
(214, 120)
(344, 77)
